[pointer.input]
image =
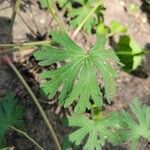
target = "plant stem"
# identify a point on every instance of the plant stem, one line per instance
(52, 11)
(30, 44)
(20, 46)
(59, 17)
(146, 52)
(17, 6)
(85, 20)
(51, 130)
(28, 137)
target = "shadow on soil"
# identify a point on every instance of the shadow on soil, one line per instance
(145, 7)
(24, 4)
(4, 28)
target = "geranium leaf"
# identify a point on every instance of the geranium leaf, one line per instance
(10, 115)
(140, 126)
(79, 75)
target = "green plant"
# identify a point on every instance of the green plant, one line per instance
(98, 130)
(127, 49)
(77, 15)
(116, 27)
(113, 29)
(6, 148)
(43, 3)
(137, 127)
(10, 115)
(78, 80)
(133, 7)
(84, 13)
(116, 128)
(129, 52)
(81, 65)
(13, 67)
(35, 100)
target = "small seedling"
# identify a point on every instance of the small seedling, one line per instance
(133, 7)
(113, 29)
(116, 27)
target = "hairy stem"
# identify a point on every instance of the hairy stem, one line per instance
(52, 10)
(20, 46)
(30, 44)
(85, 20)
(28, 137)
(17, 6)
(35, 100)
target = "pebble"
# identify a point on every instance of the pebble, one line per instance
(122, 3)
(144, 19)
(42, 21)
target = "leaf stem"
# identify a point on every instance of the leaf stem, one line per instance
(35, 100)
(17, 6)
(28, 137)
(85, 20)
(20, 46)
(146, 52)
(32, 44)
(52, 10)
(130, 53)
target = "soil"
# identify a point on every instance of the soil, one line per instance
(32, 24)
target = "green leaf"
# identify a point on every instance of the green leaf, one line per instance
(102, 29)
(10, 115)
(94, 132)
(44, 3)
(138, 52)
(78, 77)
(129, 53)
(6, 148)
(78, 14)
(116, 28)
(133, 7)
(139, 126)
(65, 4)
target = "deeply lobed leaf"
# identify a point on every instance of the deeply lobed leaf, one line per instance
(77, 14)
(115, 128)
(79, 75)
(94, 132)
(10, 115)
(139, 126)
